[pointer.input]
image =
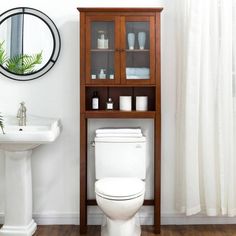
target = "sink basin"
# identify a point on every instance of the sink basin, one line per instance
(21, 138)
(18, 143)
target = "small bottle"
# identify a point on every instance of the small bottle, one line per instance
(109, 104)
(102, 74)
(95, 101)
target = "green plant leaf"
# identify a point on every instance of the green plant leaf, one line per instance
(14, 64)
(24, 64)
(30, 61)
(20, 64)
(3, 56)
(1, 124)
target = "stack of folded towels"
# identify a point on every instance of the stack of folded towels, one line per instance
(119, 132)
(137, 73)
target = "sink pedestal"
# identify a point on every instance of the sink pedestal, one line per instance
(18, 195)
(18, 143)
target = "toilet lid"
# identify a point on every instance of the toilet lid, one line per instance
(120, 188)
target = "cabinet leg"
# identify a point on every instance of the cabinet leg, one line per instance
(83, 229)
(157, 175)
(83, 174)
(157, 220)
(157, 229)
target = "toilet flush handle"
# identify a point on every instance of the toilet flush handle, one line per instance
(92, 143)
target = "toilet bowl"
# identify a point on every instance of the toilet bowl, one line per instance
(120, 199)
(120, 171)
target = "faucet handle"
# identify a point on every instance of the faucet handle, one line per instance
(22, 106)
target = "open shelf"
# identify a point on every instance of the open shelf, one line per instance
(105, 92)
(120, 114)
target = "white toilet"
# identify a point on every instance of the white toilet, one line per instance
(120, 173)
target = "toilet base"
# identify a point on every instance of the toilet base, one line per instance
(121, 228)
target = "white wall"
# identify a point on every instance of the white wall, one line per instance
(56, 166)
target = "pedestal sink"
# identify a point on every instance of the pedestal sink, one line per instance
(18, 143)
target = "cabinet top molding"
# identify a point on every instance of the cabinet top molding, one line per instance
(119, 9)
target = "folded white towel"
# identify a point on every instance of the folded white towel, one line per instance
(137, 71)
(119, 130)
(119, 135)
(137, 77)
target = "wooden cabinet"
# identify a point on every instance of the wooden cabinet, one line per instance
(102, 49)
(119, 55)
(123, 47)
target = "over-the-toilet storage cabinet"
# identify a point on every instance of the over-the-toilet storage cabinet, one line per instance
(128, 71)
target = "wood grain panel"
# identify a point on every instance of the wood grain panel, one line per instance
(157, 134)
(83, 132)
(134, 10)
(119, 114)
(92, 202)
(83, 173)
(82, 48)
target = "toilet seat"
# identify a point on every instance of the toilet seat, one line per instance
(119, 189)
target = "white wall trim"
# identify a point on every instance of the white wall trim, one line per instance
(56, 219)
(52, 218)
(181, 219)
(143, 218)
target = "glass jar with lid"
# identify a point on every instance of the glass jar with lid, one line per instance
(102, 39)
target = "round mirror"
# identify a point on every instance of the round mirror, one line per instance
(29, 43)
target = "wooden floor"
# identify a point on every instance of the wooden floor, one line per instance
(200, 230)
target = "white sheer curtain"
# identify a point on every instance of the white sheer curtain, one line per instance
(206, 124)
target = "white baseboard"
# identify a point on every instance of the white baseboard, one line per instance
(145, 218)
(73, 219)
(200, 219)
(52, 218)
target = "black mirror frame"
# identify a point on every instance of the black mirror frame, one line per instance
(56, 43)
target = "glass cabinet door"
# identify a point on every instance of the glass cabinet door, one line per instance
(101, 55)
(138, 50)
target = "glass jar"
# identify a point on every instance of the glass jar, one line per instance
(102, 39)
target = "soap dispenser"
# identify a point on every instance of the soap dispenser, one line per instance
(102, 74)
(95, 101)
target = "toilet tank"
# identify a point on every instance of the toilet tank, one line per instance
(120, 157)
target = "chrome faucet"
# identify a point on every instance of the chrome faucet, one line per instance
(21, 114)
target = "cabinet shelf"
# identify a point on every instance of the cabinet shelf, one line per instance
(120, 85)
(137, 50)
(112, 50)
(102, 50)
(120, 114)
